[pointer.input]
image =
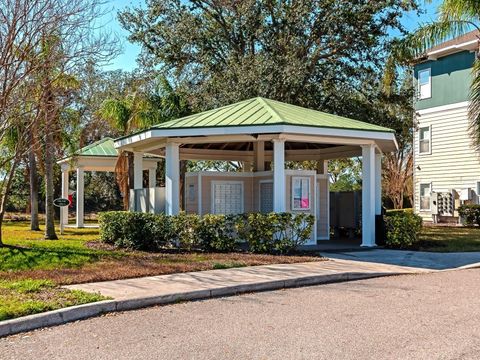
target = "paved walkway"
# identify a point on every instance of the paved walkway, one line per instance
(228, 281)
(417, 259)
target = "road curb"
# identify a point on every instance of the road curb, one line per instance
(85, 311)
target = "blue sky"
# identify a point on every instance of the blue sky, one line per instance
(127, 60)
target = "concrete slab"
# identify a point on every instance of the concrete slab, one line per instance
(414, 259)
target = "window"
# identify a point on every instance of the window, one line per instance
(424, 84)
(424, 137)
(425, 195)
(478, 192)
(227, 197)
(191, 192)
(266, 196)
(300, 193)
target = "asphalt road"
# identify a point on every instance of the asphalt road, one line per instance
(429, 316)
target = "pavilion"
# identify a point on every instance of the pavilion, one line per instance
(264, 134)
(98, 156)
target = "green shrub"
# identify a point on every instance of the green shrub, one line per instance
(293, 231)
(215, 233)
(134, 230)
(185, 230)
(470, 214)
(274, 233)
(402, 229)
(264, 233)
(257, 230)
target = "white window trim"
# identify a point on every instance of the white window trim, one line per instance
(429, 84)
(215, 182)
(309, 193)
(260, 192)
(420, 196)
(429, 152)
(477, 191)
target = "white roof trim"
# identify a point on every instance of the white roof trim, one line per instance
(468, 45)
(265, 129)
(463, 104)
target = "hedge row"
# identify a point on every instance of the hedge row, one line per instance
(470, 214)
(402, 229)
(263, 233)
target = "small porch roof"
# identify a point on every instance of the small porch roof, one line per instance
(100, 156)
(260, 119)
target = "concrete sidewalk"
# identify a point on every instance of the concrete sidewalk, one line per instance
(415, 259)
(213, 283)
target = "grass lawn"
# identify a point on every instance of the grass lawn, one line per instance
(79, 257)
(25, 297)
(32, 269)
(449, 239)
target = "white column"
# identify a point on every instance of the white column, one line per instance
(259, 150)
(137, 170)
(368, 195)
(65, 182)
(279, 187)
(172, 179)
(152, 182)
(80, 199)
(378, 184)
(152, 177)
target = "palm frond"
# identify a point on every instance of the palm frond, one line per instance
(117, 113)
(474, 107)
(458, 9)
(433, 34)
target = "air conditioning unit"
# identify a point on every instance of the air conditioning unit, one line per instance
(445, 204)
(466, 194)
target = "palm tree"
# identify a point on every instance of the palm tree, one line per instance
(139, 109)
(455, 18)
(54, 87)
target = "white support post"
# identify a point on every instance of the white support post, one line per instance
(368, 195)
(259, 150)
(80, 197)
(378, 184)
(172, 179)
(279, 186)
(137, 170)
(152, 182)
(65, 183)
(152, 177)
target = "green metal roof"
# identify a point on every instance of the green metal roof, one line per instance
(103, 147)
(260, 112)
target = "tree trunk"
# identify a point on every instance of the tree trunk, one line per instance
(49, 158)
(6, 191)
(130, 178)
(34, 224)
(183, 171)
(130, 169)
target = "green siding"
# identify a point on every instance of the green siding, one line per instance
(451, 78)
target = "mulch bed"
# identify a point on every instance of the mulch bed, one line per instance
(138, 264)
